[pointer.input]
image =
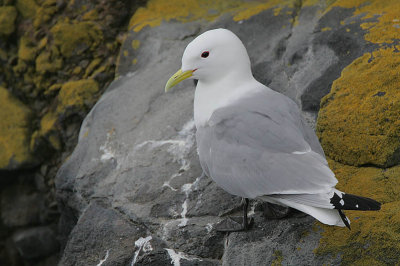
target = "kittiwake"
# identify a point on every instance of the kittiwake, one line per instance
(253, 141)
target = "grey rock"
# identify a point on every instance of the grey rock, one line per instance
(35, 242)
(133, 190)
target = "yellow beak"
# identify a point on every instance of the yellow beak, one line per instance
(177, 77)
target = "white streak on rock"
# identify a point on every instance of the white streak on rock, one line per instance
(252, 210)
(142, 244)
(209, 227)
(187, 188)
(179, 149)
(176, 257)
(342, 202)
(106, 148)
(105, 258)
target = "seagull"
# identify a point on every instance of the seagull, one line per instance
(253, 141)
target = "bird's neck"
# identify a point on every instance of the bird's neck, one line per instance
(210, 96)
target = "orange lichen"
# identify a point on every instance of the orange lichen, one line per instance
(359, 122)
(184, 11)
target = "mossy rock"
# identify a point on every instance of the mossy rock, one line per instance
(8, 14)
(27, 8)
(14, 133)
(77, 95)
(359, 123)
(76, 38)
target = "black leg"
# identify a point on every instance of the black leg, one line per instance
(234, 224)
(245, 206)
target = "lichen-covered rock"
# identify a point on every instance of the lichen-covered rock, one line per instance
(359, 122)
(74, 38)
(8, 14)
(14, 133)
(77, 95)
(27, 49)
(47, 63)
(27, 8)
(374, 236)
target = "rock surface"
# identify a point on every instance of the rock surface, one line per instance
(136, 164)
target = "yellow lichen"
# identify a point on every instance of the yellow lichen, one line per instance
(46, 62)
(387, 11)
(158, 10)
(8, 14)
(77, 94)
(75, 38)
(359, 122)
(77, 70)
(27, 50)
(48, 123)
(14, 132)
(326, 29)
(91, 15)
(277, 258)
(135, 44)
(92, 66)
(27, 8)
(42, 43)
(53, 88)
(45, 12)
(374, 236)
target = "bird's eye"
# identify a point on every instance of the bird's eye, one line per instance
(205, 54)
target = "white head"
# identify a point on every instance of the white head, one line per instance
(212, 56)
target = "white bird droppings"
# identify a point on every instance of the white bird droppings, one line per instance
(142, 244)
(105, 258)
(176, 257)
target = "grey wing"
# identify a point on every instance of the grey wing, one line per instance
(251, 152)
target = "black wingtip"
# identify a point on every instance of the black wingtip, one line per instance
(344, 219)
(352, 202)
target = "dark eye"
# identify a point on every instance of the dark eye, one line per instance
(205, 54)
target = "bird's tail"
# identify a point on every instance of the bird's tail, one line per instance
(344, 201)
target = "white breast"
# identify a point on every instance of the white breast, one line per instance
(209, 98)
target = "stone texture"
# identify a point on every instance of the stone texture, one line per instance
(136, 158)
(35, 242)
